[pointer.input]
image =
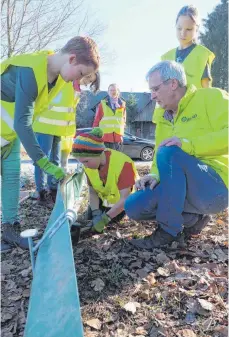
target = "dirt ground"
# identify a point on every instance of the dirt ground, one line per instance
(178, 291)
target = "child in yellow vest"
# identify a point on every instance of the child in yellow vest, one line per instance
(66, 142)
(111, 177)
(30, 85)
(196, 59)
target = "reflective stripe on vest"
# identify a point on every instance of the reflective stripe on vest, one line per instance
(112, 121)
(60, 117)
(113, 118)
(60, 108)
(4, 142)
(7, 118)
(54, 121)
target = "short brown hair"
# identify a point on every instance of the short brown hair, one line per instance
(85, 49)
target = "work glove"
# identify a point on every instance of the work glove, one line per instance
(5, 150)
(49, 168)
(97, 224)
(100, 222)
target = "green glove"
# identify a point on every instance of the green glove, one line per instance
(49, 168)
(100, 221)
(5, 150)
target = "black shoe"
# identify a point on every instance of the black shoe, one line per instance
(53, 194)
(75, 234)
(11, 235)
(158, 239)
(45, 199)
(198, 227)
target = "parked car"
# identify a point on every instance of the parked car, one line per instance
(134, 147)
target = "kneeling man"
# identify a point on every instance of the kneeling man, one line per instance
(189, 175)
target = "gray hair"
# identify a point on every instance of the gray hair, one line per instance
(169, 70)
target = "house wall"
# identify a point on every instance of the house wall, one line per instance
(142, 129)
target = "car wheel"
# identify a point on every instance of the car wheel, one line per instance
(147, 154)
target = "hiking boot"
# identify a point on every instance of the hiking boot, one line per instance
(198, 226)
(158, 239)
(53, 194)
(11, 235)
(45, 199)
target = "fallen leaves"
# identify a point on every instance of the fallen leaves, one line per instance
(98, 284)
(162, 258)
(205, 304)
(163, 271)
(94, 323)
(186, 333)
(129, 293)
(131, 307)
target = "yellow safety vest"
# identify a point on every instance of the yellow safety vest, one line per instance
(67, 141)
(112, 121)
(109, 193)
(194, 65)
(50, 117)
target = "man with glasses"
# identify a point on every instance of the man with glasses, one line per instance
(188, 179)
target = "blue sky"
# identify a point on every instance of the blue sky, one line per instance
(137, 33)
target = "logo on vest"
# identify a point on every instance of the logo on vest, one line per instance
(203, 167)
(187, 119)
(58, 98)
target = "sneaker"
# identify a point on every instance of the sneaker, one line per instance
(45, 199)
(11, 235)
(198, 226)
(158, 239)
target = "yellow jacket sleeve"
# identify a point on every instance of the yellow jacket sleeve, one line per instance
(216, 142)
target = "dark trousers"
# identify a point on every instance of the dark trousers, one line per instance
(187, 187)
(114, 146)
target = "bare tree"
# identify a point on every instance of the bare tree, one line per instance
(31, 25)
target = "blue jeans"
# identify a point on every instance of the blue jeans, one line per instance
(51, 147)
(10, 184)
(187, 187)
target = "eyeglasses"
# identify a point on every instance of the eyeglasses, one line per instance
(155, 89)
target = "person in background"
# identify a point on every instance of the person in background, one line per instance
(93, 80)
(196, 59)
(37, 94)
(111, 177)
(189, 176)
(111, 118)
